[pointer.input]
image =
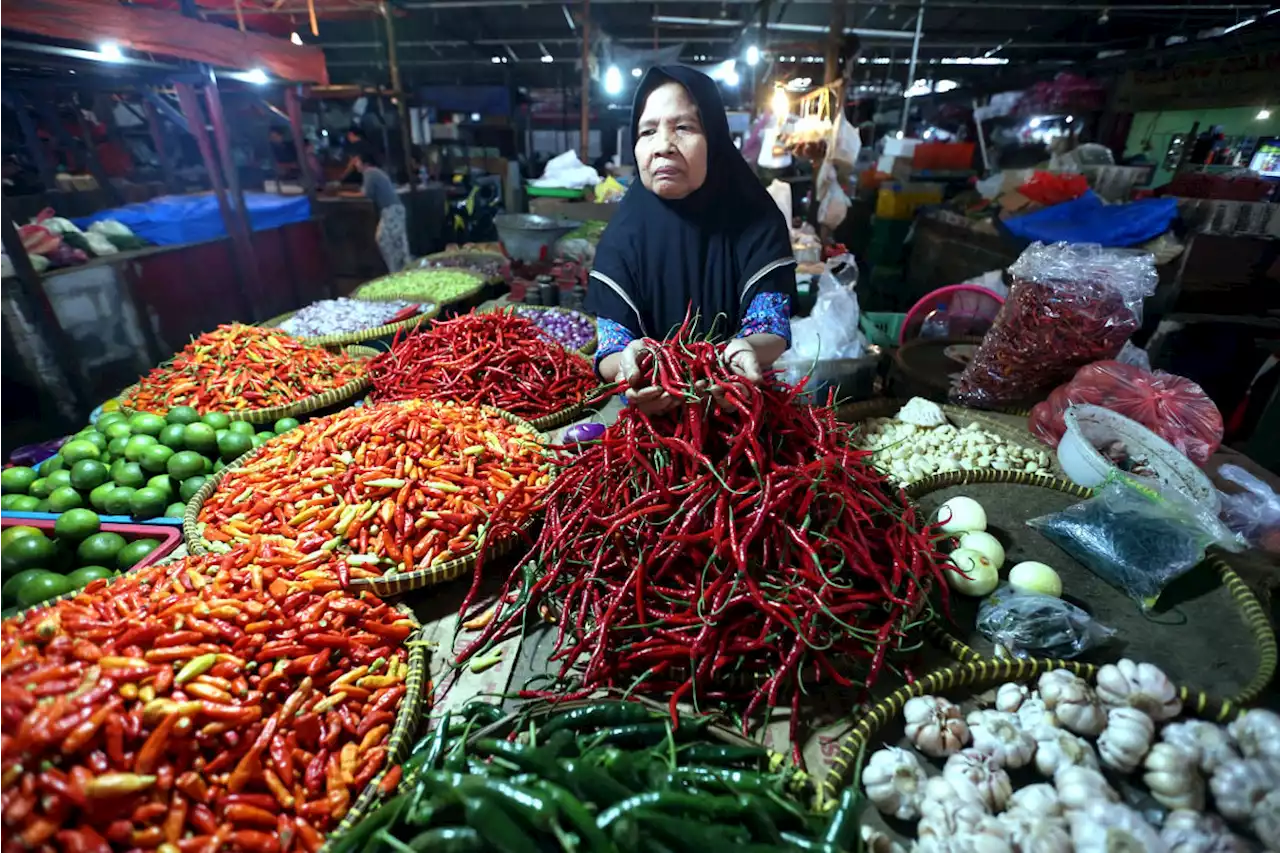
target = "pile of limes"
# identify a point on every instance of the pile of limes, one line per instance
(36, 568)
(142, 466)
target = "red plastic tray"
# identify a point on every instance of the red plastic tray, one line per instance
(170, 537)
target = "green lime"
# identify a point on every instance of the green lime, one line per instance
(117, 500)
(218, 466)
(27, 552)
(284, 425)
(97, 439)
(77, 524)
(171, 436)
(41, 488)
(137, 446)
(59, 478)
(262, 438)
(100, 548)
(242, 427)
(190, 486)
(182, 415)
(85, 575)
(17, 480)
(12, 500)
(119, 429)
(135, 552)
(164, 483)
(40, 588)
(41, 506)
(116, 446)
(127, 473)
(147, 502)
(17, 532)
(98, 497)
(219, 433)
(53, 463)
(217, 420)
(76, 449)
(64, 498)
(175, 510)
(185, 464)
(89, 474)
(234, 444)
(20, 503)
(145, 423)
(156, 459)
(9, 592)
(106, 419)
(201, 438)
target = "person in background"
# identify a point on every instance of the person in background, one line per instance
(391, 235)
(312, 161)
(696, 233)
(284, 153)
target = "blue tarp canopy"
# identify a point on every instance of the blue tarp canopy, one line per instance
(170, 220)
(1088, 220)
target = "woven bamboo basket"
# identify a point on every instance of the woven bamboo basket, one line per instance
(588, 349)
(332, 399)
(406, 291)
(395, 584)
(1251, 611)
(969, 678)
(342, 339)
(469, 259)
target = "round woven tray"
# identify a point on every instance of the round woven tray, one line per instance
(973, 677)
(374, 333)
(396, 584)
(1158, 639)
(471, 259)
(958, 416)
(588, 349)
(406, 291)
(335, 398)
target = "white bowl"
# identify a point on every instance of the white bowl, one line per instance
(1089, 427)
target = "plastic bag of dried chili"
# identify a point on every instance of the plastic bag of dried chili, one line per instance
(1070, 304)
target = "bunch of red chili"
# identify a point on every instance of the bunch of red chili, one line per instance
(495, 359)
(685, 551)
(396, 486)
(219, 701)
(237, 367)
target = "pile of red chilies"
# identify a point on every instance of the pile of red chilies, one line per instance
(685, 549)
(492, 359)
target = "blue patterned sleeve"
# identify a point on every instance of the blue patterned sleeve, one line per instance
(769, 313)
(611, 337)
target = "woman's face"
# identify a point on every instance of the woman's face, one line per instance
(671, 149)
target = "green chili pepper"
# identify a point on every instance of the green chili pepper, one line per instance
(639, 735)
(363, 831)
(597, 715)
(723, 754)
(196, 666)
(592, 783)
(496, 826)
(481, 712)
(448, 839)
(808, 845)
(579, 818)
(842, 831)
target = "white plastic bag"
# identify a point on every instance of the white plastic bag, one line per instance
(831, 329)
(567, 171)
(100, 245)
(846, 143)
(834, 206)
(781, 193)
(1254, 513)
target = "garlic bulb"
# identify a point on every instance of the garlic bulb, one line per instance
(1058, 748)
(1191, 832)
(1010, 697)
(1266, 821)
(1112, 828)
(894, 782)
(875, 841)
(1238, 786)
(1034, 716)
(1173, 779)
(1038, 800)
(1257, 733)
(934, 726)
(1138, 685)
(950, 808)
(1035, 834)
(1210, 744)
(984, 773)
(968, 842)
(1126, 739)
(1079, 786)
(998, 734)
(1073, 702)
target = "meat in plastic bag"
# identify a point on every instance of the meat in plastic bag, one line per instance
(1174, 408)
(1070, 304)
(1028, 624)
(1254, 513)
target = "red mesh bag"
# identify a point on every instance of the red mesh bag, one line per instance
(1174, 408)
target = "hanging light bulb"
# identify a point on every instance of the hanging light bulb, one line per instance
(753, 55)
(781, 104)
(613, 81)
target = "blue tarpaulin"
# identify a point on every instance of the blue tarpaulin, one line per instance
(1088, 220)
(170, 220)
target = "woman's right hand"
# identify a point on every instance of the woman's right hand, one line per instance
(649, 399)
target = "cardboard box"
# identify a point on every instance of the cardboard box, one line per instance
(895, 147)
(579, 210)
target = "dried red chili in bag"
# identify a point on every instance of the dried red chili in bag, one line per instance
(1070, 305)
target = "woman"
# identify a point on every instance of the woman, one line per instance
(391, 235)
(697, 233)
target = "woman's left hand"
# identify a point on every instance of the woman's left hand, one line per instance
(740, 357)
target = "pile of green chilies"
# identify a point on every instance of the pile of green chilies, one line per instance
(607, 777)
(719, 552)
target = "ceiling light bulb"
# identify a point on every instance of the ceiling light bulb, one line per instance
(546, 57)
(1263, 115)
(613, 81)
(295, 38)
(256, 76)
(753, 55)
(636, 72)
(111, 51)
(1035, 123)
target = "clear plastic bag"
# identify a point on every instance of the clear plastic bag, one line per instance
(1135, 537)
(1254, 513)
(1028, 624)
(1174, 408)
(1070, 304)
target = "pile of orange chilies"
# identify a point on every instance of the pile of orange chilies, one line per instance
(237, 367)
(398, 486)
(226, 700)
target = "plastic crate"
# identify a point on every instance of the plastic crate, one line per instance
(887, 243)
(942, 156)
(881, 328)
(900, 201)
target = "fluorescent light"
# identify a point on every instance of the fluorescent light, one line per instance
(546, 57)
(110, 51)
(295, 38)
(256, 76)
(613, 81)
(636, 72)
(945, 86)
(496, 60)
(753, 55)
(1263, 115)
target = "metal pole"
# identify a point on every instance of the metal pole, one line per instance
(982, 140)
(911, 72)
(240, 237)
(585, 123)
(293, 106)
(831, 66)
(402, 109)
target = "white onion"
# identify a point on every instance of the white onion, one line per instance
(985, 544)
(1031, 576)
(982, 575)
(962, 515)
(340, 316)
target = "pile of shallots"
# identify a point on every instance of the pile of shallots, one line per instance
(1082, 740)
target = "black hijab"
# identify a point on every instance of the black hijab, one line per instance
(714, 249)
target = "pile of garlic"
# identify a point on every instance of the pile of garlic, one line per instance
(1075, 736)
(918, 443)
